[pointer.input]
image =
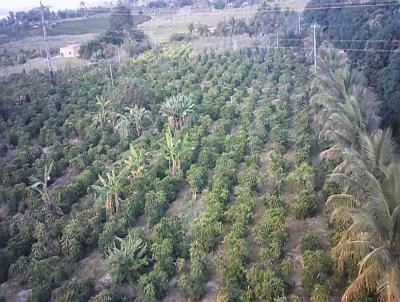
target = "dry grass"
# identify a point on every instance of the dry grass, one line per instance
(58, 64)
(54, 42)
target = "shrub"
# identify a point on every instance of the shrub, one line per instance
(197, 178)
(192, 284)
(321, 293)
(75, 290)
(106, 295)
(155, 204)
(318, 267)
(153, 286)
(171, 229)
(310, 242)
(270, 233)
(264, 285)
(206, 233)
(304, 205)
(46, 273)
(112, 229)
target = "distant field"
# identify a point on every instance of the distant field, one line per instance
(41, 64)
(36, 43)
(81, 26)
(160, 27)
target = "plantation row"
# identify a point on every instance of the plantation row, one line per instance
(196, 178)
(132, 188)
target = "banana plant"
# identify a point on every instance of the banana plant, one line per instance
(174, 149)
(135, 117)
(109, 191)
(103, 112)
(135, 163)
(41, 185)
(177, 109)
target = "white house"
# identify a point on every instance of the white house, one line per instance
(70, 51)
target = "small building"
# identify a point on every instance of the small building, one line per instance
(70, 51)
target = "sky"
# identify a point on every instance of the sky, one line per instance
(18, 5)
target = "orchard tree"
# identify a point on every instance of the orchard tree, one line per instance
(197, 178)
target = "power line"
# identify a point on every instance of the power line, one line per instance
(273, 10)
(343, 40)
(330, 7)
(312, 48)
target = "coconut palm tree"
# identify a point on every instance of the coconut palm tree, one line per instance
(109, 191)
(373, 235)
(348, 107)
(370, 203)
(177, 109)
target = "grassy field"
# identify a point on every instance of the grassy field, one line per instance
(96, 24)
(160, 27)
(58, 64)
(36, 43)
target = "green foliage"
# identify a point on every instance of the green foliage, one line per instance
(270, 233)
(265, 285)
(304, 205)
(38, 273)
(321, 293)
(310, 242)
(192, 283)
(106, 295)
(155, 205)
(126, 262)
(318, 266)
(112, 229)
(75, 290)
(197, 178)
(153, 285)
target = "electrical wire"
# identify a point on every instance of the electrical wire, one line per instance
(319, 7)
(310, 48)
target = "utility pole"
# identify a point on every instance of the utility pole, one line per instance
(119, 55)
(41, 8)
(111, 74)
(315, 50)
(299, 25)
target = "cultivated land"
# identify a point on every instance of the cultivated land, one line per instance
(54, 42)
(161, 26)
(80, 26)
